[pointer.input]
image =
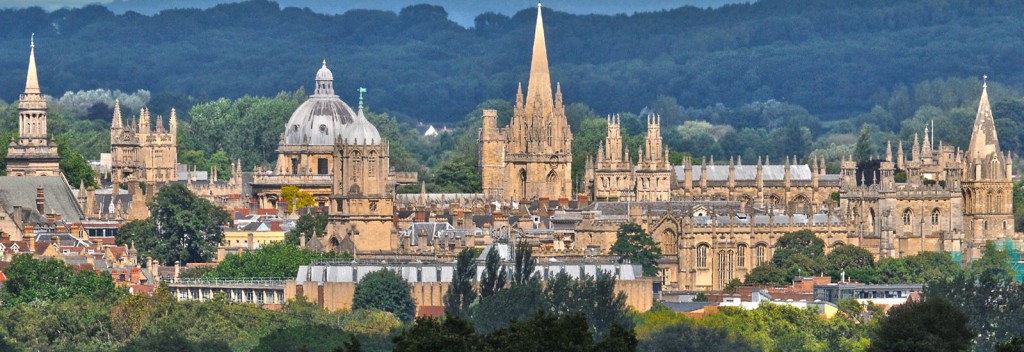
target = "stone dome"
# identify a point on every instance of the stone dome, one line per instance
(324, 74)
(360, 132)
(322, 117)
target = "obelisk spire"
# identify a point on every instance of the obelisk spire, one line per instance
(538, 94)
(32, 79)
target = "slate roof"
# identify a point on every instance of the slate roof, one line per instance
(21, 191)
(747, 172)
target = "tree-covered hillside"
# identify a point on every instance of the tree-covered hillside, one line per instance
(834, 58)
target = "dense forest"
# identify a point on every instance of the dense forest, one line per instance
(833, 58)
(774, 78)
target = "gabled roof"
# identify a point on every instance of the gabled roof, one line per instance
(21, 191)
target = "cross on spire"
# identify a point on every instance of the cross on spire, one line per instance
(984, 81)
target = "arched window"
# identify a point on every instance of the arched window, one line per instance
(759, 254)
(702, 256)
(935, 216)
(724, 268)
(372, 164)
(907, 214)
(741, 255)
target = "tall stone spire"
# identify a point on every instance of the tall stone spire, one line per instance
(539, 88)
(32, 79)
(984, 141)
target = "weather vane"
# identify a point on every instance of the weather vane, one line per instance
(361, 91)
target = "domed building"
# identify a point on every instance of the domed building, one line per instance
(305, 152)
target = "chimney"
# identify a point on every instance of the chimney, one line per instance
(302, 240)
(40, 200)
(177, 268)
(563, 202)
(249, 241)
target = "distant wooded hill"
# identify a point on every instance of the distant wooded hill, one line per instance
(834, 58)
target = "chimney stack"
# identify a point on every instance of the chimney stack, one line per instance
(40, 200)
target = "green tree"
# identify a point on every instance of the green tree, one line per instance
(524, 263)
(592, 296)
(296, 199)
(456, 175)
(275, 260)
(494, 275)
(687, 337)
(635, 245)
(74, 167)
(30, 280)
(183, 228)
(312, 225)
(460, 291)
(865, 147)
(988, 296)
(453, 334)
(387, 291)
(798, 242)
(517, 302)
(932, 325)
(849, 259)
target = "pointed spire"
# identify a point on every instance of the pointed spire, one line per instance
(888, 151)
(984, 141)
(116, 122)
(173, 123)
(539, 87)
(519, 95)
(32, 79)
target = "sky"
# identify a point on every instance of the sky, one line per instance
(460, 11)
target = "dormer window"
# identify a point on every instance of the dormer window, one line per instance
(323, 129)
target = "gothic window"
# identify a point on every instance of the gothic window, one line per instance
(935, 216)
(702, 256)
(724, 268)
(372, 163)
(741, 255)
(321, 166)
(552, 176)
(759, 254)
(295, 166)
(906, 216)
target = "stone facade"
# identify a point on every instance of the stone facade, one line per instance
(614, 177)
(141, 152)
(532, 157)
(362, 208)
(32, 153)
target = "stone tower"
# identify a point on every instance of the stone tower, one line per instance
(537, 158)
(361, 219)
(612, 168)
(987, 184)
(653, 170)
(32, 154)
(142, 152)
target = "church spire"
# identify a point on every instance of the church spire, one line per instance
(32, 79)
(116, 123)
(984, 141)
(539, 87)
